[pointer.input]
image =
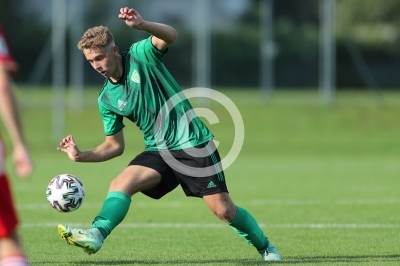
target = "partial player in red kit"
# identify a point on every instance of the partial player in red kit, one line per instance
(11, 251)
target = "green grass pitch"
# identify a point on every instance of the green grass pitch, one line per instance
(323, 182)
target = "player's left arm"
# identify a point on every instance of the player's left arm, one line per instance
(163, 35)
(10, 116)
(8, 108)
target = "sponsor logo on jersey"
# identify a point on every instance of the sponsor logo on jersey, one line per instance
(135, 77)
(121, 104)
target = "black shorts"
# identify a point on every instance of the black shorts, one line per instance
(198, 170)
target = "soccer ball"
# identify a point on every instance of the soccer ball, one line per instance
(65, 193)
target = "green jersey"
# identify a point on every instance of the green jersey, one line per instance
(141, 95)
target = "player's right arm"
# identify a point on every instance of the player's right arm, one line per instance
(112, 147)
(163, 35)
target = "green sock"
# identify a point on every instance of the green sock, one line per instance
(247, 227)
(114, 209)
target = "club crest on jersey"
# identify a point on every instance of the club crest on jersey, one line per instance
(135, 77)
(121, 104)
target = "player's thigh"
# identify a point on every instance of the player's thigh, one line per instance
(199, 171)
(8, 215)
(155, 161)
(135, 178)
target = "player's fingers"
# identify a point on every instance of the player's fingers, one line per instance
(71, 139)
(64, 140)
(67, 145)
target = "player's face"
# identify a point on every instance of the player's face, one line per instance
(103, 61)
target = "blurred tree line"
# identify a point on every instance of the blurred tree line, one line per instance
(367, 34)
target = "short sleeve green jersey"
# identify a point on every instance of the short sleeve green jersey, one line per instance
(141, 96)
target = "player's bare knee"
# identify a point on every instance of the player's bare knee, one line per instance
(114, 185)
(224, 213)
(126, 188)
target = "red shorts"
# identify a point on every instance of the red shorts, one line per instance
(8, 215)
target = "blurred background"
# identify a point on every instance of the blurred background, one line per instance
(312, 48)
(239, 40)
(306, 50)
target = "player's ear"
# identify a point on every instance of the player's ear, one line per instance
(115, 50)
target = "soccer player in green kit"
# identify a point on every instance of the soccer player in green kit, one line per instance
(137, 87)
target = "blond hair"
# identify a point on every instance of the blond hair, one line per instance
(96, 38)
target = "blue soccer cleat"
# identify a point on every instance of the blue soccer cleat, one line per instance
(89, 240)
(271, 253)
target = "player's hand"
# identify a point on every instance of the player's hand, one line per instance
(131, 17)
(22, 161)
(68, 146)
